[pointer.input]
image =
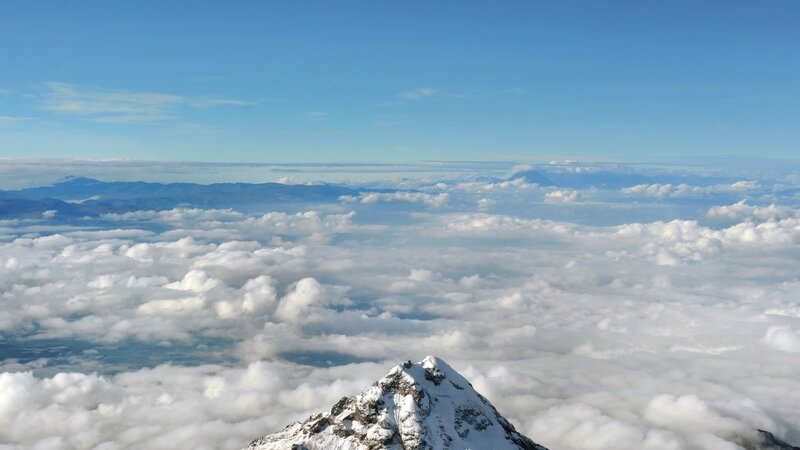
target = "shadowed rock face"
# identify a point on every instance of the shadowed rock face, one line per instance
(767, 441)
(422, 406)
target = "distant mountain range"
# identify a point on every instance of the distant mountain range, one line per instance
(75, 197)
(14, 205)
(79, 196)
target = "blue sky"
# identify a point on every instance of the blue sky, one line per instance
(383, 82)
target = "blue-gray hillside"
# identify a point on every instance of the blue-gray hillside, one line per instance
(87, 196)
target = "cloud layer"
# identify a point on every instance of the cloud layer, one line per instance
(205, 328)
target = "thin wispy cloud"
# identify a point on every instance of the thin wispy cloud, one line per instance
(419, 93)
(207, 102)
(207, 78)
(116, 106)
(422, 93)
(13, 119)
(133, 118)
(317, 115)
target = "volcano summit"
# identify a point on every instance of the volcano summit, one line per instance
(422, 406)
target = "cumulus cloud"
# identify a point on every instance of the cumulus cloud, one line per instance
(472, 186)
(497, 225)
(485, 203)
(687, 412)
(672, 243)
(647, 334)
(742, 210)
(582, 426)
(306, 300)
(225, 223)
(178, 215)
(521, 168)
(195, 280)
(431, 200)
(783, 338)
(561, 196)
(164, 407)
(663, 190)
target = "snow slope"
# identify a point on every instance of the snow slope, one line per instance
(423, 406)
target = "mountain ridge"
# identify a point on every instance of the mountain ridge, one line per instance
(75, 197)
(416, 406)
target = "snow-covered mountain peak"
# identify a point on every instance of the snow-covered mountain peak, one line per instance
(422, 406)
(428, 374)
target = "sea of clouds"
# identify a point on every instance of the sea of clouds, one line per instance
(661, 316)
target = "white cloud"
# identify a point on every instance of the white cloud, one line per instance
(431, 200)
(114, 106)
(418, 93)
(195, 407)
(485, 203)
(14, 119)
(561, 196)
(305, 301)
(195, 280)
(497, 225)
(521, 168)
(582, 426)
(783, 338)
(688, 412)
(659, 334)
(517, 183)
(317, 115)
(180, 306)
(741, 210)
(663, 190)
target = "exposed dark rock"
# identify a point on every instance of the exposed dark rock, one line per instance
(423, 406)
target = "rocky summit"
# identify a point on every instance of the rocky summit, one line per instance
(422, 406)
